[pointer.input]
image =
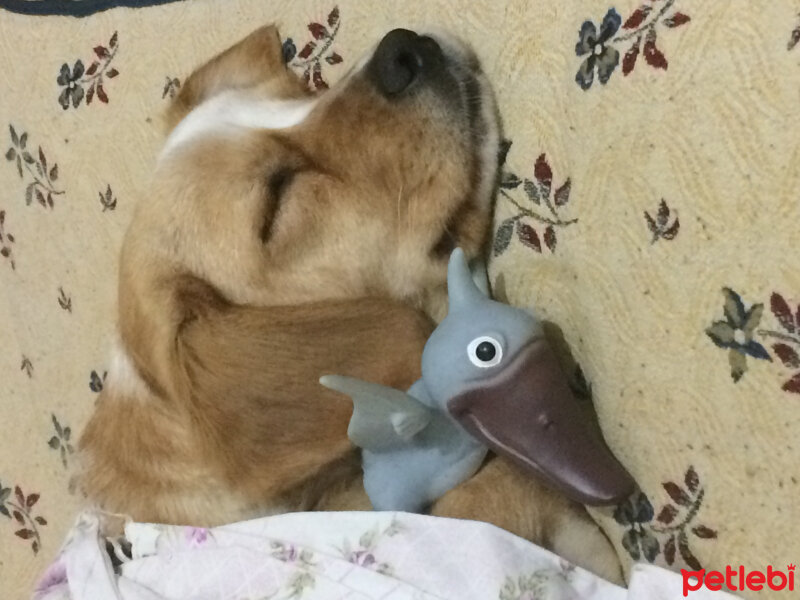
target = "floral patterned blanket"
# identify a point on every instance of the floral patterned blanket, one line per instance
(329, 556)
(648, 210)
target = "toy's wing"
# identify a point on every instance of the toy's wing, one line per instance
(383, 417)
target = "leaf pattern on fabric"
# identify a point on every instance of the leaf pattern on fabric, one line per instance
(61, 442)
(308, 60)
(663, 225)
(364, 552)
(542, 583)
(539, 210)
(19, 507)
(40, 178)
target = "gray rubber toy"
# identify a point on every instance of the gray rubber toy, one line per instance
(489, 380)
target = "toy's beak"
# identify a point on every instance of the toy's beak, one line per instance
(528, 413)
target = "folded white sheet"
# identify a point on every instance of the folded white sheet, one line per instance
(327, 556)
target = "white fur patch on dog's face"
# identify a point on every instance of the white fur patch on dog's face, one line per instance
(232, 110)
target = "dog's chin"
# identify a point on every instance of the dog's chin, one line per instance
(487, 134)
(482, 112)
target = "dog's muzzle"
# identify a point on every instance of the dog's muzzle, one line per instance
(404, 60)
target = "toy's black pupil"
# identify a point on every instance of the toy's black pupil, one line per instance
(485, 351)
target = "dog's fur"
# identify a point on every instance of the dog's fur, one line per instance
(285, 236)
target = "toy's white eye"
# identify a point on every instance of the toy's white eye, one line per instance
(485, 352)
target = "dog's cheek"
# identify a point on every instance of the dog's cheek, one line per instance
(473, 229)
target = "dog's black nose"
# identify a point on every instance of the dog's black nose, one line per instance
(401, 59)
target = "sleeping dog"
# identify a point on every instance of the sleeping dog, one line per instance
(286, 235)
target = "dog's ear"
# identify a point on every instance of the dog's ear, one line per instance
(156, 304)
(255, 60)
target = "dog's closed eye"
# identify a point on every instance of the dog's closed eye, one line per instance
(278, 183)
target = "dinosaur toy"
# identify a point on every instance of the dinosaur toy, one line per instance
(489, 381)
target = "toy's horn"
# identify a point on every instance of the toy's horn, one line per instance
(480, 276)
(461, 288)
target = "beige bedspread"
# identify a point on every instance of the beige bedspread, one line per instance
(650, 209)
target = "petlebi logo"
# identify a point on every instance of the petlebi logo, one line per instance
(739, 579)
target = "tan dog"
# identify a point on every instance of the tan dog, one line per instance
(287, 235)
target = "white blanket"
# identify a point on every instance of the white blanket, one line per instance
(327, 556)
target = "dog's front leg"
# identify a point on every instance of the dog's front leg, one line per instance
(503, 495)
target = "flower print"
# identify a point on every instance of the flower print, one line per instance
(640, 30)
(634, 514)
(196, 536)
(71, 82)
(55, 575)
(593, 45)
(736, 333)
(85, 83)
(364, 554)
(362, 558)
(670, 533)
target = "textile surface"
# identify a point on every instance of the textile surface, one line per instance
(329, 556)
(648, 209)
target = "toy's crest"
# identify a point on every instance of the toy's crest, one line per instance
(462, 287)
